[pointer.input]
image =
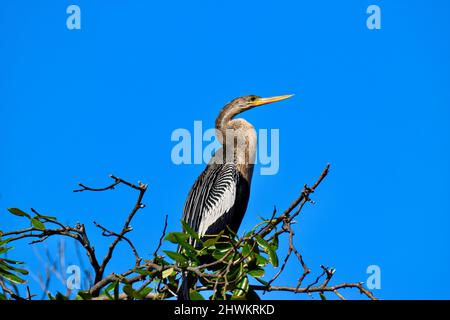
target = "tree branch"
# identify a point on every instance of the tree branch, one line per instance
(215, 275)
(142, 188)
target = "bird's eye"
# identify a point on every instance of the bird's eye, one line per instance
(252, 98)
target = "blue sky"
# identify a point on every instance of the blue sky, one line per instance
(77, 105)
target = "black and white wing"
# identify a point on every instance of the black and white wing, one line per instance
(218, 198)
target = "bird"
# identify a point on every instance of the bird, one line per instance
(218, 199)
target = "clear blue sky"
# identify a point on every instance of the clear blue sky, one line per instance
(76, 105)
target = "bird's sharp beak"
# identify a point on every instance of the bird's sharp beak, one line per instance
(261, 101)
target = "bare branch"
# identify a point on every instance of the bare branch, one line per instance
(109, 233)
(319, 289)
(302, 199)
(11, 293)
(163, 234)
(138, 205)
(78, 233)
(116, 182)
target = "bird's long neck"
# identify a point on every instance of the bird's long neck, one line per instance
(238, 138)
(238, 146)
(225, 116)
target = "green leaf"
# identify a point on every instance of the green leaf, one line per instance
(191, 231)
(2, 242)
(110, 287)
(223, 245)
(6, 266)
(275, 242)
(232, 233)
(241, 288)
(258, 225)
(262, 262)
(273, 258)
(60, 296)
(263, 243)
(167, 272)
(116, 290)
(12, 261)
(128, 289)
(239, 298)
(188, 250)
(37, 224)
(247, 249)
(236, 272)
(143, 272)
(48, 217)
(176, 256)
(108, 295)
(4, 249)
(176, 237)
(220, 253)
(85, 295)
(210, 242)
(18, 212)
(195, 295)
(265, 283)
(322, 296)
(257, 273)
(144, 292)
(21, 271)
(11, 277)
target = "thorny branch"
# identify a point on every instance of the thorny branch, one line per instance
(153, 270)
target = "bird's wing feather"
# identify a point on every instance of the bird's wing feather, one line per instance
(211, 197)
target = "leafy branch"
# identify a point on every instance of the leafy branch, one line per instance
(227, 266)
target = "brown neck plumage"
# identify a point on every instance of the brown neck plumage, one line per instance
(225, 116)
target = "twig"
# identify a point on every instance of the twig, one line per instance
(304, 196)
(316, 289)
(163, 234)
(116, 182)
(142, 188)
(138, 205)
(11, 293)
(109, 233)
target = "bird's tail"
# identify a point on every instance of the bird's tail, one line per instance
(183, 292)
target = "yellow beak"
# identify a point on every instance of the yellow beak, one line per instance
(261, 101)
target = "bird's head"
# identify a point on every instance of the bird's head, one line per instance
(248, 102)
(225, 119)
(241, 104)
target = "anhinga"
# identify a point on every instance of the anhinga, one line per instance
(220, 194)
